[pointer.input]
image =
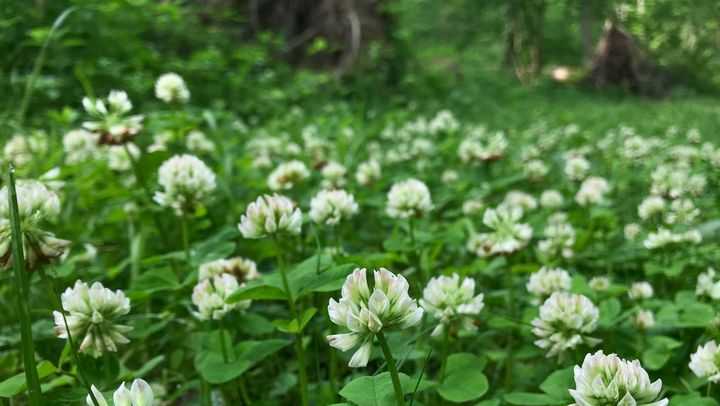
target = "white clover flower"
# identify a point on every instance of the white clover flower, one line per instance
(118, 159)
(708, 285)
(333, 174)
(644, 319)
(332, 206)
(287, 175)
(367, 313)
(559, 238)
(140, 394)
(161, 141)
(641, 290)
(592, 191)
(269, 215)
(368, 172)
(92, 314)
(651, 206)
(482, 147)
(36, 205)
(112, 123)
(682, 211)
(599, 283)
(197, 141)
(631, 231)
(609, 380)
(447, 299)
(443, 122)
(635, 147)
(576, 167)
(450, 176)
(21, 149)
(170, 87)
(472, 206)
(565, 322)
(705, 362)
(547, 281)
(551, 199)
(508, 234)
(520, 199)
(242, 269)
(210, 297)
(665, 237)
(535, 169)
(186, 183)
(80, 146)
(409, 198)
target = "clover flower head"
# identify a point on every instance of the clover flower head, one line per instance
(508, 236)
(92, 313)
(270, 215)
(37, 205)
(651, 206)
(170, 87)
(20, 149)
(577, 167)
(599, 283)
(80, 145)
(409, 198)
(551, 199)
(287, 175)
(118, 158)
(610, 380)
(644, 319)
(705, 362)
(197, 141)
(565, 322)
(186, 182)
(368, 172)
(110, 117)
(366, 313)
(631, 231)
(210, 297)
(592, 191)
(535, 169)
(708, 284)
(333, 174)
(472, 206)
(547, 281)
(640, 290)
(447, 298)
(332, 206)
(139, 394)
(242, 269)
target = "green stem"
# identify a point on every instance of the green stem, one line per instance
(223, 343)
(709, 389)
(244, 392)
(185, 238)
(299, 349)
(148, 192)
(55, 298)
(205, 395)
(446, 345)
(23, 296)
(39, 61)
(399, 396)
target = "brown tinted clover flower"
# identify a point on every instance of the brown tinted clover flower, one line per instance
(36, 205)
(111, 119)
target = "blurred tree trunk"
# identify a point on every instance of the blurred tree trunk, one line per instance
(524, 35)
(586, 29)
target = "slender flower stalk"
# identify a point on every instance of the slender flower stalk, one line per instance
(23, 296)
(392, 368)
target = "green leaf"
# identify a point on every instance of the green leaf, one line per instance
(375, 390)
(257, 290)
(532, 399)
(17, 384)
(464, 380)
(609, 311)
(153, 281)
(294, 326)
(215, 370)
(558, 383)
(694, 400)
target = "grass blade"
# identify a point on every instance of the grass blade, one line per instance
(22, 280)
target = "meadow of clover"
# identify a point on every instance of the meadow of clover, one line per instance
(212, 203)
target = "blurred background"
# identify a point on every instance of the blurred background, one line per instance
(497, 58)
